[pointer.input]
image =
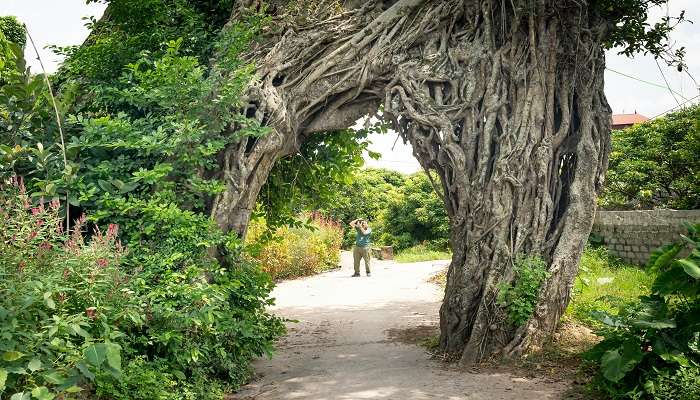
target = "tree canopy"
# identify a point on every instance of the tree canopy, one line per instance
(656, 164)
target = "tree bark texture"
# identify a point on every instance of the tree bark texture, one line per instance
(502, 99)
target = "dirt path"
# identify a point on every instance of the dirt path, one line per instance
(351, 342)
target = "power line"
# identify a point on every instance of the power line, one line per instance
(647, 82)
(678, 106)
(667, 85)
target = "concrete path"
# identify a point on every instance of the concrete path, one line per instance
(344, 344)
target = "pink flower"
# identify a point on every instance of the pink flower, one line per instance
(55, 203)
(45, 246)
(32, 235)
(35, 211)
(91, 312)
(112, 231)
(102, 262)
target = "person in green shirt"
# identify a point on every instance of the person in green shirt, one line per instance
(362, 248)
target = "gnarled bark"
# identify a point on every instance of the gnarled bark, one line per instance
(502, 99)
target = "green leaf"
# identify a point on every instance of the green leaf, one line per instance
(74, 389)
(616, 363)
(3, 379)
(660, 324)
(179, 375)
(690, 267)
(42, 393)
(85, 370)
(48, 301)
(80, 331)
(114, 359)
(95, 354)
(34, 365)
(12, 355)
(20, 396)
(54, 377)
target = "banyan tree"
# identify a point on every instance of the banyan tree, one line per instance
(501, 99)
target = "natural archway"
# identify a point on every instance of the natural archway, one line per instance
(503, 99)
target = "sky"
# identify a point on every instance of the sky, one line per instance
(60, 22)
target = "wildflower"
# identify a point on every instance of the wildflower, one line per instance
(35, 211)
(66, 273)
(22, 266)
(112, 231)
(102, 262)
(45, 246)
(55, 203)
(91, 312)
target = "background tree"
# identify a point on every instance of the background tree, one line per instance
(656, 164)
(415, 214)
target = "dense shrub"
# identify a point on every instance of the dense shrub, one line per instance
(651, 348)
(73, 311)
(414, 215)
(297, 251)
(656, 164)
(64, 301)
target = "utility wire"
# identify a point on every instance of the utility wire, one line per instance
(647, 82)
(678, 106)
(667, 85)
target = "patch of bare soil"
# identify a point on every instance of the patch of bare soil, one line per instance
(557, 361)
(414, 335)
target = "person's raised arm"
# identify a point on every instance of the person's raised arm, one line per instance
(353, 223)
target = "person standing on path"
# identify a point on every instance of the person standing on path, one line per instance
(362, 248)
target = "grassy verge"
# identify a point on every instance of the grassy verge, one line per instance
(421, 253)
(603, 283)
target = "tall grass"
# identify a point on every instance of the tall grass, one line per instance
(603, 283)
(294, 252)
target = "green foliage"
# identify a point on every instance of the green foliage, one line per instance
(130, 27)
(416, 214)
(63, 301)
(520, 297)
(656, 164)
(603, 283)
(421, 252)
(318, 175)
(13, 30)
(142, 152)
(403, 211)
(630, 32)
(652, 348)
(294, 252)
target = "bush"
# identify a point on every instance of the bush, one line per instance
(294, 252)
(206, 319)
(651, 348)
(656, 164)
(415, 215)
(63, 300)
(519, 297)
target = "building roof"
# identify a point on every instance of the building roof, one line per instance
(628, 119)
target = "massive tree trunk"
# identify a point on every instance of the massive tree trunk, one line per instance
(502, 99)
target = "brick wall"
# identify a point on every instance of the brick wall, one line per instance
(633, 235)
